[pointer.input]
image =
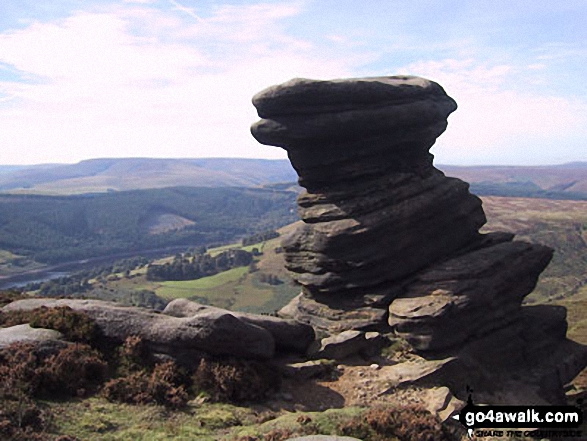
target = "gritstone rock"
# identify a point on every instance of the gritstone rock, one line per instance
(26, 334)
(389, 243)
(215, 332)
(289, 335)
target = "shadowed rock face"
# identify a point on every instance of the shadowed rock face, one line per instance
(390, 243)
(375, 209)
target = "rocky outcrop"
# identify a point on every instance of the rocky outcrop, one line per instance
(468, 296)
(388, 242)
(375, 210)
(216, 332)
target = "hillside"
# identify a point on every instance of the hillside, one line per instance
(566, 181)
(53, 229)
(561, 225)
(265, 286)
(553, 181)
(102, 175)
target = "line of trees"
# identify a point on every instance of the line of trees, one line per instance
(260, 237)
(191, 267)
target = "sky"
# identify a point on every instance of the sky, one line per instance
(84, 79)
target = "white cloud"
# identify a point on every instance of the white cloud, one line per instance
(135, 81)
(497, 123)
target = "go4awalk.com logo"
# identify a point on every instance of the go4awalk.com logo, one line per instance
(515, 421)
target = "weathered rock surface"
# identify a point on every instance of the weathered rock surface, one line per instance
(441, 402)
(388, 242)
(289, 335)
(375, 210)
(330, 315)
(468, 296)
(215, 332)
(307, 369)
(347, 343)
(25, 334)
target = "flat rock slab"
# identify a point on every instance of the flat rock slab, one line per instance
(214, 332)
(289, 335)
(307, 369)
(414, 372)
(26, 334)
(347, 343)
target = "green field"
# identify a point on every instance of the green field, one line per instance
(240, 289)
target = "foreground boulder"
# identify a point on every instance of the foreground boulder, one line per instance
(289, 335)
(215, 332)
(389, 243)
(25, 334)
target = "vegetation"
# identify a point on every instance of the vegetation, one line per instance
(59, 229)
(561, 225)
(31, 372)
(195, 267)
(233, 380)
(263, 285)
(75, 326)
(260, 237)
(526, 189)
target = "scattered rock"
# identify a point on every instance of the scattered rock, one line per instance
(418, 371)
(441, 402)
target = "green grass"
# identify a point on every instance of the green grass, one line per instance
(12, 264)
(236, 289)
(96, 419)
(209, 282)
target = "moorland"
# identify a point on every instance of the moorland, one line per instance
(63, 224)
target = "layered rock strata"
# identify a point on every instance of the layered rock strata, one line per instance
(389, 242)
(375, 210)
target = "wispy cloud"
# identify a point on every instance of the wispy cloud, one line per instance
(146, 82)
(175, 77)
(497, 123)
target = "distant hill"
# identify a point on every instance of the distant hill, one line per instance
(565, 181)
(104, 175)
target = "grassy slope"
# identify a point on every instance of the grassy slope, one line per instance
(561, 225)
(96, 419)
(236, 289)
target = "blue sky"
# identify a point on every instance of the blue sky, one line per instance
(174, 78)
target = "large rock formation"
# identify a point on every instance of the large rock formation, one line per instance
(389, 242)
(375, 209)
